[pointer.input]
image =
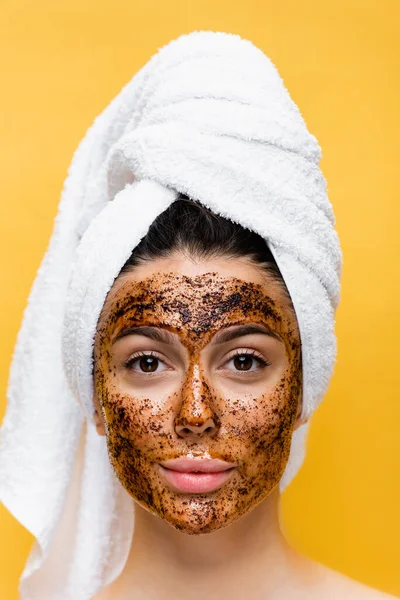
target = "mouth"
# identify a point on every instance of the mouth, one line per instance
(196, 476)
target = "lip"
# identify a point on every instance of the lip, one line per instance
(196, 476)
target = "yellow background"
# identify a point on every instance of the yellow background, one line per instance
(61, 64)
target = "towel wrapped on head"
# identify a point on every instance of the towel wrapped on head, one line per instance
(210, 117)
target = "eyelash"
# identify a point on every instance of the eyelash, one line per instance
(137, 355)
(262, 361)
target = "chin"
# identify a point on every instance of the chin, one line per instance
(195, 514)
(196, 523)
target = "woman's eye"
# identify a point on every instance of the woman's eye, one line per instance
(144, 363)
(244, 361)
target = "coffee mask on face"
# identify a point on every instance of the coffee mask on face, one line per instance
(151, 413)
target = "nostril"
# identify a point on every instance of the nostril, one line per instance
(207, 428)
(194, 430)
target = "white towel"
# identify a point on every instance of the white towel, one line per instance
(208, 116)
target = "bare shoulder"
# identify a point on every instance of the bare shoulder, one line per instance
(337, 586)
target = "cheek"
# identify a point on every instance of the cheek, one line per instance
(133, 437)
(261, 429)
(263, 415)
(138, 419)
(139, 429)
(124, 413)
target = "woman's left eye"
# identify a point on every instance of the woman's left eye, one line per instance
(244, 360)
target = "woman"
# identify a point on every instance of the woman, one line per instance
(198, 386)
(179, 336)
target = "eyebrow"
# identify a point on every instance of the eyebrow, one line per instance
(226, 335)
(222, 337)
(154, 333)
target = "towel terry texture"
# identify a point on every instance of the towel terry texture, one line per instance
(209, 116)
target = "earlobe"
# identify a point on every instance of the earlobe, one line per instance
(299, 421)
(97, 416)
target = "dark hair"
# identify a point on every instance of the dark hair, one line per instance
(187, 225)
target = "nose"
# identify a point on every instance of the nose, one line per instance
(196, 417)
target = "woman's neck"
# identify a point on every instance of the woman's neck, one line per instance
(251, 554)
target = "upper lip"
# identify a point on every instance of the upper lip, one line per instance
(204, 465)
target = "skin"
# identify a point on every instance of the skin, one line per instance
(197, 399)
(196, 403)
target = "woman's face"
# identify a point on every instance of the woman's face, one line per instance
(197, 361)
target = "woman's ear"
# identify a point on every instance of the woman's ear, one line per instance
(97, 416)
(299, 421)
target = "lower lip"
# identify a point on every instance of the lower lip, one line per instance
(195, 483)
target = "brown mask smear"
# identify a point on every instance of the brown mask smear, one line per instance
(252, 428)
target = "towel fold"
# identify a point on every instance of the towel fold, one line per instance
(208, 116)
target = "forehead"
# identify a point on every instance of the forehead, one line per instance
(199, 302)
(158, 274)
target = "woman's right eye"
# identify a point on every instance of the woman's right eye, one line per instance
(144, 363)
